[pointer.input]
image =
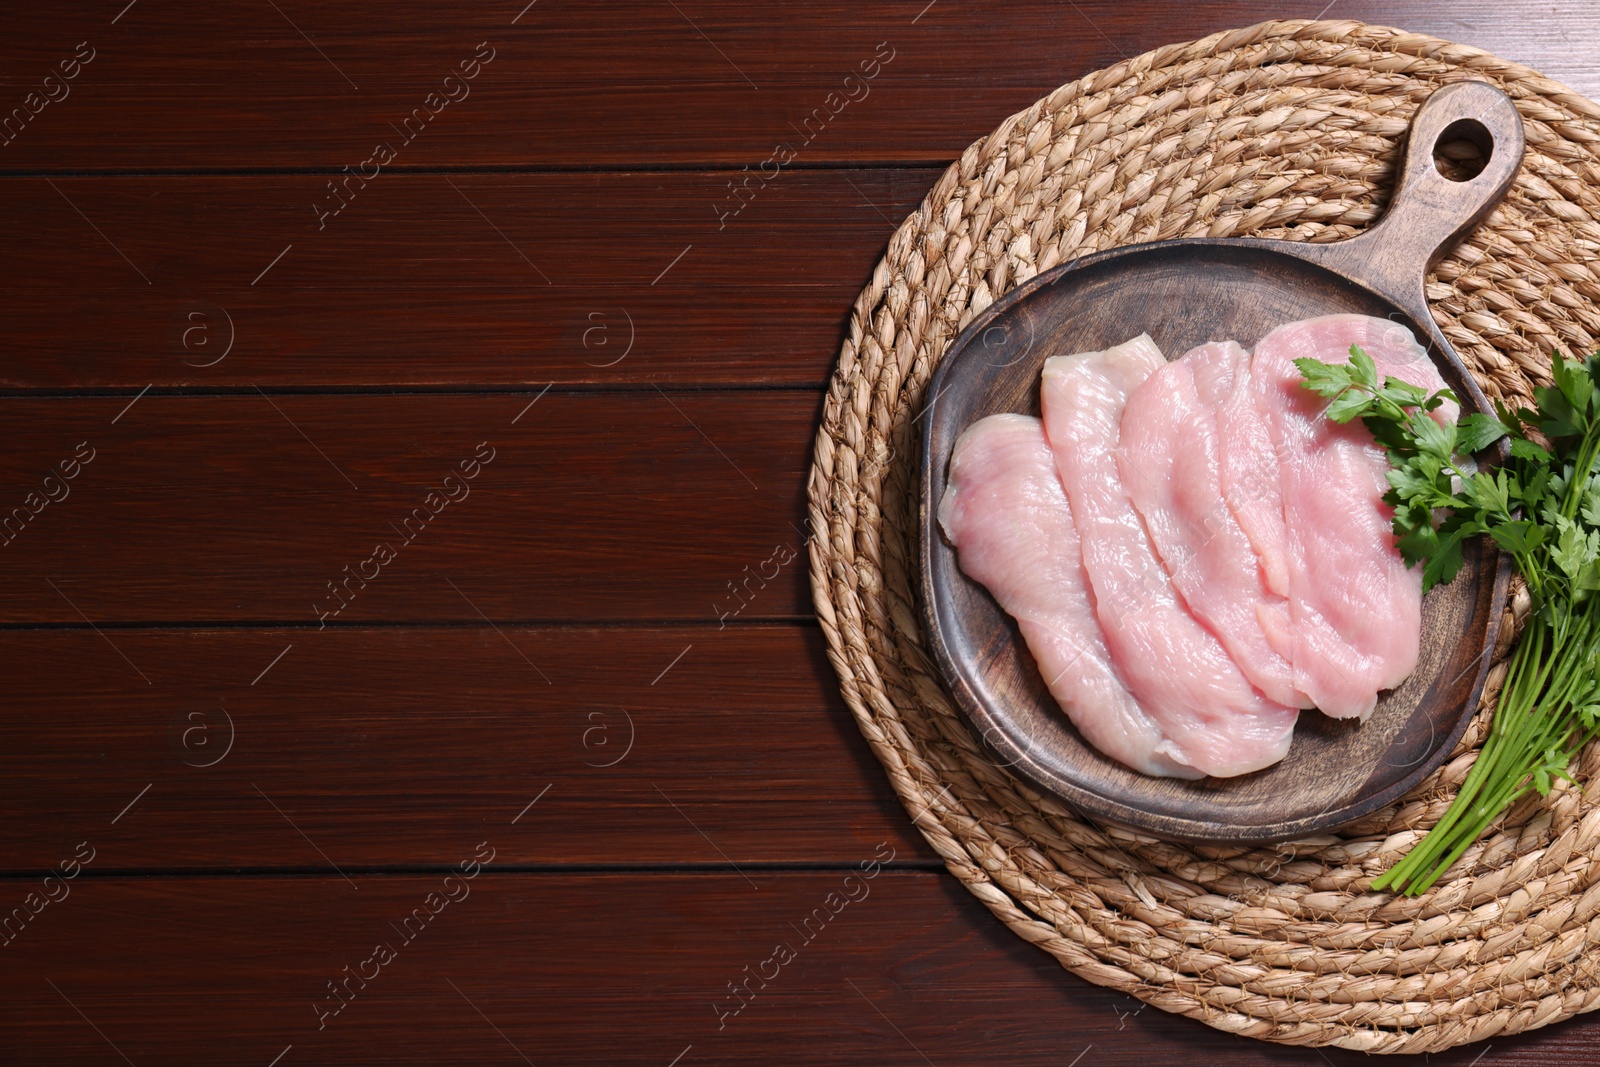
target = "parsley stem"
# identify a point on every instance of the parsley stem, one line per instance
(1536, 720)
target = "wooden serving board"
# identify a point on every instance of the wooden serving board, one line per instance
(1184, 293)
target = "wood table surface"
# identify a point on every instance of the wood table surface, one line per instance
(375, 692)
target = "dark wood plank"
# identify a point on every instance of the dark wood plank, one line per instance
(577, 968)
(575, 278)
(710, 81)
(642, 505)
(609, 506)
(671, 745)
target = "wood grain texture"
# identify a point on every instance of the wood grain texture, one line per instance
(191, 85)
(684, 744)
(640, 505)
(432, 280)
(187, 157)
(583, 968)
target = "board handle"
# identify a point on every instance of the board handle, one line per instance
(1429, 211)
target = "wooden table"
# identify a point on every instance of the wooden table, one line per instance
(394, 397)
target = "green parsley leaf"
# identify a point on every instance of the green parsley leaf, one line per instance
(1522, 448)
(1365, 372)
(1444, 563)
(1477, 432)
(1572, 550)
(1324, 379)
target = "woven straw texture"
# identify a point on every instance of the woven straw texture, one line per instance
(1289, 130)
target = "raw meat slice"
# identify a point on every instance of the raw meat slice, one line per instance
(1174, 667)
(1250, 483)
(1355, 609)
(1250, 452)
(1006, 513)
(1168, 459)
(1252, 487)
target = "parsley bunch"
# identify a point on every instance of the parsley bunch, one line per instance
(1543, 508)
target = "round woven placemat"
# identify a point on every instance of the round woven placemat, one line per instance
(1289, 130)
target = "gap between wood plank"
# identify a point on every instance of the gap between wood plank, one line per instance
(577, 623)
(621, 388)
(906, 865)
(717, 167)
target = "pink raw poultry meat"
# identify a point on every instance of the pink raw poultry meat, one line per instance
(1250, 483)
(1252, 488)
(1006, 513)
(1250, 460)
(1355, 608)
(1169, 462)
(1174, 666)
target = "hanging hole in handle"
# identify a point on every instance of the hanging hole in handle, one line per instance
(1463, 150)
